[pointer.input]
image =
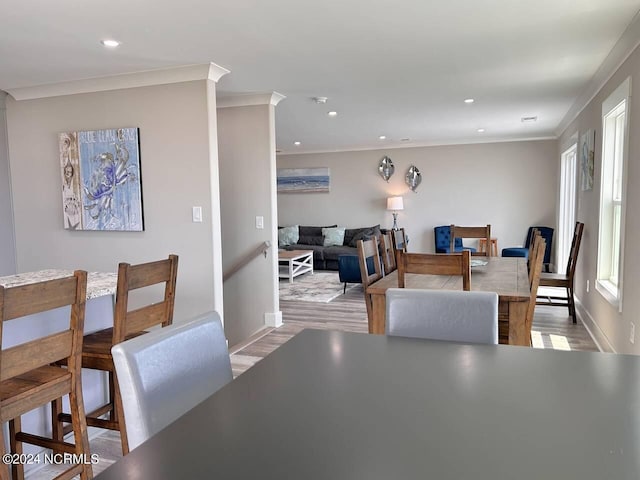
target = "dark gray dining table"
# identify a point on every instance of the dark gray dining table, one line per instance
(333, 405)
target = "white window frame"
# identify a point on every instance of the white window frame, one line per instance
(613, 194)
(567, 204)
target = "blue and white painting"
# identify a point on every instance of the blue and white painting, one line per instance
(108, 182)
(303, 180)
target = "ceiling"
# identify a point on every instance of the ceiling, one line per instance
(399, 68)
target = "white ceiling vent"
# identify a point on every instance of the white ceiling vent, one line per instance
(529, 119)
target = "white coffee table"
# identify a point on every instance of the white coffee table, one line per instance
(294, 262)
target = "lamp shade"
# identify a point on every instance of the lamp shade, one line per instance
(395, 203)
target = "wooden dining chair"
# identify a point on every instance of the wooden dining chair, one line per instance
(399, 239)
(166, 373)
(537, 260)
(388, 253)
(96, 352)
(535, 234)
(435, 264)
(369, 249)
(31, 378)
(471, 232)
(564, 280)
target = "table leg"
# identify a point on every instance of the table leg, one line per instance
(379, 313)
(518, 334)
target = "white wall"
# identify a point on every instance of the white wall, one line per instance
(508, 185)
(175, 165)
(610, 327)
(7, 245)
(246, 137)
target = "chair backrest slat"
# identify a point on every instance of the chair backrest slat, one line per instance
(132, 277)
(575, 249)
(388, 253)
(435, 264)
(471, 232)
(38, 297)
(399, 239)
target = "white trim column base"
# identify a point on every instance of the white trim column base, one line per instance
(273, 319)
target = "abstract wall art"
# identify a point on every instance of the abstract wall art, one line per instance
(101, 181)
(303, 180)
(587, 153)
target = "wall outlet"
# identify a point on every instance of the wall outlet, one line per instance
(632, 333)
(587, 286)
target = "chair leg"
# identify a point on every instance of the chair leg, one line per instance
(57, 426)
(4, 468)
(112, 393)
(17, 469)
(345, 288)
(119, 414)
(80, 435)
(572, 305)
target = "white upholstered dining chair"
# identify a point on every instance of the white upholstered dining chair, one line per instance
(168, 371)
(459, 316)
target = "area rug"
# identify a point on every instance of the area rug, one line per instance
(317, 287)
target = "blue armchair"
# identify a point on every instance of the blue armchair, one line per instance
(349, 269)
(443, 235)
(546, 233)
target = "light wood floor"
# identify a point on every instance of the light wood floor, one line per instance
(552, 329)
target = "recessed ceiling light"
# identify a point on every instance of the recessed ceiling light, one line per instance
(296, 143)
(481, 130)
(469, 100)
(332, 113)
(382, 137)
(110, 43)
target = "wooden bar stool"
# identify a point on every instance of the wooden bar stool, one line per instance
(96, 353)
(30, 377)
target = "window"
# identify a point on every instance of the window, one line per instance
(567, 204)
(612, 193)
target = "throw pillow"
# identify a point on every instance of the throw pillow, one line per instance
(288, 236)
(369, 232)
(333, 236)
(364, 235)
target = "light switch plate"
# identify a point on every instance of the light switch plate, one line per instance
(259, 222)
(196, 214)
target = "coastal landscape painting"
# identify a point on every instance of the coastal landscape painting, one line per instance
(303, 180)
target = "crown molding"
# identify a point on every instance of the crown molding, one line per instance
(624, 47)
(248, 100)
(187, 73)
(452, 143)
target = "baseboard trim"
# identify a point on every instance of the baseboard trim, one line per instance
(597, 335)
(273, 319)
(253, 338)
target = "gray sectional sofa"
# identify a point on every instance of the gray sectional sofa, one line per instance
(326, 257)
